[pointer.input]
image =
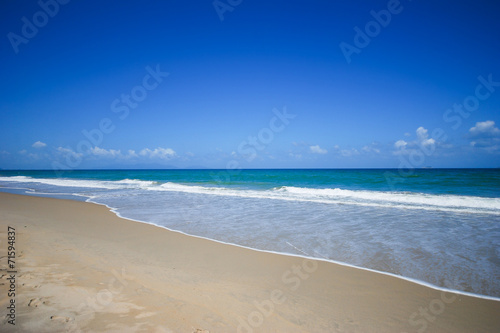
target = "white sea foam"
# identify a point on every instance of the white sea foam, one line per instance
(402, 200)
(81, 183)
(186, 188)
(136, 182)
(59, 182)
(405, 200)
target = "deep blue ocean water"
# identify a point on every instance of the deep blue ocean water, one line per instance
(440, 226)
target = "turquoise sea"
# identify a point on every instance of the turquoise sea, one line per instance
(437, 226)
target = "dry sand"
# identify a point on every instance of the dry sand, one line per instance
(82, 268)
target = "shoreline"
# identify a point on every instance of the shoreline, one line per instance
(409, 279)
(198, 283)
(413, 280)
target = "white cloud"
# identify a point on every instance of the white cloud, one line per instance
(131, 153)
(296, 156)
(371, 148)
(349, 152)
(105, 153)
(38, 144)
(162, 153)
(485, 128)
(428, 142)
(422, 133)
(423, 142)
(22, 152)
(400, 144)
(64, 150)
(486, 136)
(423, 137)
(68, 151)
(317, 150)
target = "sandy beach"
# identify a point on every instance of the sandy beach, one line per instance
(79, 267)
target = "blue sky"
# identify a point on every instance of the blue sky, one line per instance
(249, 84)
